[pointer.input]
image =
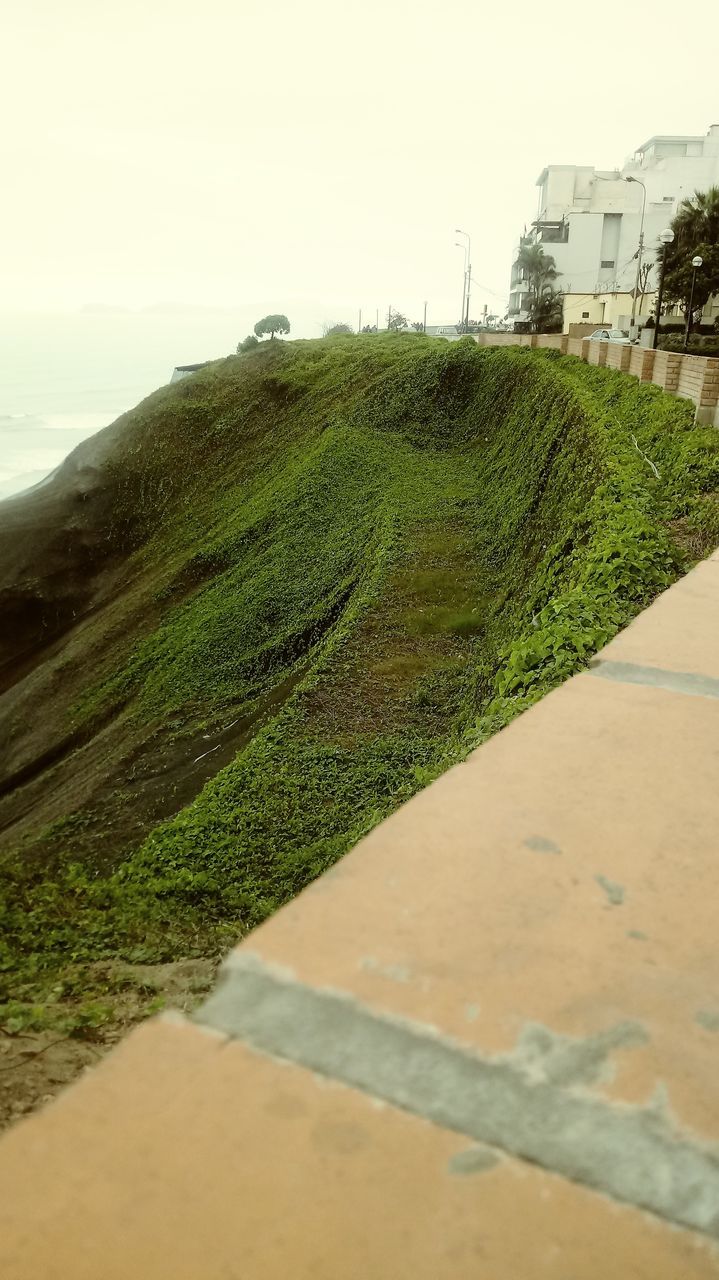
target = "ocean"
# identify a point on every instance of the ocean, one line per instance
(64, 377)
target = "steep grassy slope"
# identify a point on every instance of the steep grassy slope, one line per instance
(279, 597)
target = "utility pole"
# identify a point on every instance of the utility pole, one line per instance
(389, 316)
(697, 262)
(359, 322)
(424, 322)
(666, 238)
(464, 292)
(464, 323)
(457, 245)
(640, 249)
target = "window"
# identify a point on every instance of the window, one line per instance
(585, 315)
(555, 235)
(607, 262)
(668, 199)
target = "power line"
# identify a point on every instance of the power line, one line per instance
(486, 288)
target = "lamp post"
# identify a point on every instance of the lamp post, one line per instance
(666, 236)
(463, 247)
(468, 275)
(640, 249)
(696, 264)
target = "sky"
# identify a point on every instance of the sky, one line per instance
(314, 156)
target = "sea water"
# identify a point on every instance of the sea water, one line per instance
(64, 376)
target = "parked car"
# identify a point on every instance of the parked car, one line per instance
(611, 335)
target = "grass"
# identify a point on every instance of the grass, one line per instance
(412, 540)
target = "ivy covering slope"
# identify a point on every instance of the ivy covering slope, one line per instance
(372, 553)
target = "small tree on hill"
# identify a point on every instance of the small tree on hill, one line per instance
(272, 325)
(330, 330)
(418, 326)
(369, 328)
(247, 344)
(397, 321)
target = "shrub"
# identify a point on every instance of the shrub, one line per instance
(697, 346)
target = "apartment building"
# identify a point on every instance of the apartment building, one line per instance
(589, 221)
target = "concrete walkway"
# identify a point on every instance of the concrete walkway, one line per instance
(484, 1046)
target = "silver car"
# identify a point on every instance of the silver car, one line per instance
(611, 335)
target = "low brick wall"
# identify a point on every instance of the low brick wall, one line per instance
(666, 370)
(597, 353)
(699, 380)
(641, 363)
(578, 347)
(497, 339)
(515, 339)
(553, 341)
(618, 356)
(582, 329)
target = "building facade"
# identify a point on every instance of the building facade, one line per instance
(589, 221)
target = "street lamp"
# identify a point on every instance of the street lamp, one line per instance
(640, 250)
(666, 236)
(465, 320)
(696, 264)
(463, 247)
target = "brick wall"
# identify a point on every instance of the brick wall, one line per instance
(699, 380)
(618, 356)
(578, 347)
(597, 353)
(641, 363)
(497, 339)
(553, 341)
(582, 329)
(666, 370)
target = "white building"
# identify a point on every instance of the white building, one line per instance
(589, 221)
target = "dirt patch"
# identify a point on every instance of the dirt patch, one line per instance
(117, 787)
(694, 537)
(36, 1065)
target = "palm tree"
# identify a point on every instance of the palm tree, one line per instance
(697, 219)
(548, 312)
(540, 271)
(696, 231)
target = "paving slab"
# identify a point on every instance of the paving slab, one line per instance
(679, 631)
(185, 1157)
(561, 884)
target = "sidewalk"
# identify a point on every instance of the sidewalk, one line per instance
(484, 1046)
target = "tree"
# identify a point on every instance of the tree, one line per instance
(540, 271)
(696, 231)
(330, 330)
(369, 328)
(272, 325)
(418, 326)
(247, 344)
(548, 311)
(644, 273)
(397, 321)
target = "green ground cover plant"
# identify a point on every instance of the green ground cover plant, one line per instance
(369, 554)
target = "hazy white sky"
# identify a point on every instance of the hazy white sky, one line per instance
(315, 153)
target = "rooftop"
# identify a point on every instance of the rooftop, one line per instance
(670, 137)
